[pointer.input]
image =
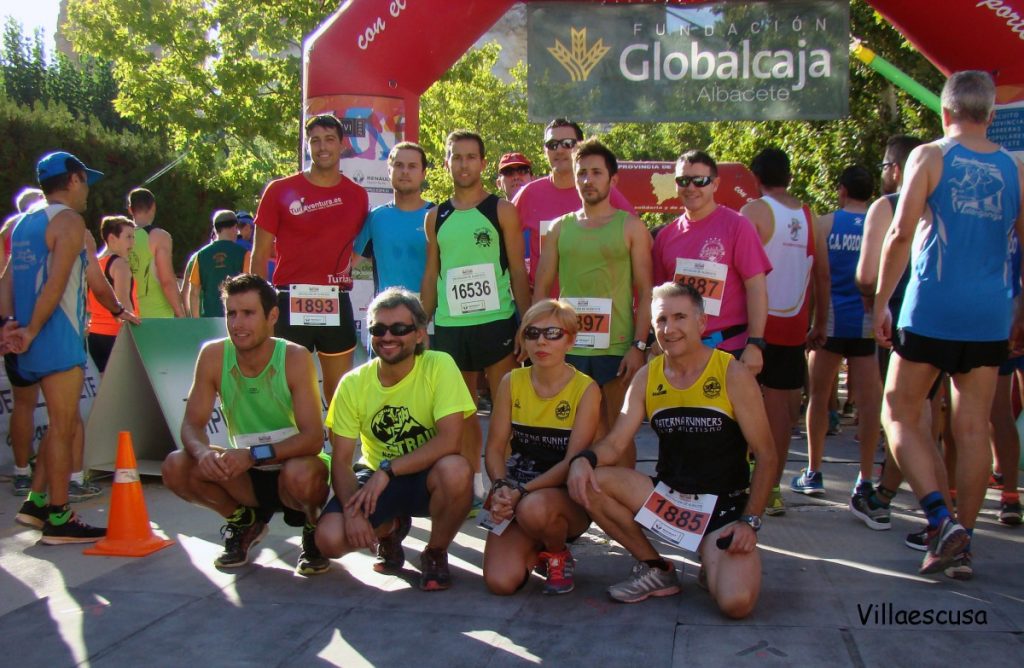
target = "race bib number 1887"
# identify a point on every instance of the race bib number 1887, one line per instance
(707, 278)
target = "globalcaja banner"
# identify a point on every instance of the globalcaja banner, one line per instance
(708, 62)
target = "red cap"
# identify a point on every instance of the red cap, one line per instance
(514, 160)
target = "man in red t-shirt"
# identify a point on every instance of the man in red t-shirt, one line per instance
(312, 218)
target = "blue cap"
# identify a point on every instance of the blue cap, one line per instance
(244, 217)
(55, 164)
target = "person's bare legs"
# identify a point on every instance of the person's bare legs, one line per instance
(866, 390)
(333, 366)
(822, 368)
(970, 407)
(779, 404)
(22, 426)
(450, 484)
(61, 391)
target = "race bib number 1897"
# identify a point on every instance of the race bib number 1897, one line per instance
(595, 321)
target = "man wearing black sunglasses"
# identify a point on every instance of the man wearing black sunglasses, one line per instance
(717, 252)
(407, 407)
(544, 199)
(600, 256)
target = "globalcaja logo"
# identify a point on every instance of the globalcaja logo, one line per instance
(580, 60)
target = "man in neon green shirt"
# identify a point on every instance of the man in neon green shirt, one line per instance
(407, 406)
(271, 404)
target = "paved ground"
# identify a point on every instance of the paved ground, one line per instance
(830, 585)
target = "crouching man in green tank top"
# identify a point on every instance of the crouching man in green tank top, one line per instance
(271, 404)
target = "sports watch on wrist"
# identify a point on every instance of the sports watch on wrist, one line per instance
(262, 453)
(385, 465)
(753, 521)
(640, 345)
(757, 341)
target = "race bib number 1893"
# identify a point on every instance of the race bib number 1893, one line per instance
(314, 305)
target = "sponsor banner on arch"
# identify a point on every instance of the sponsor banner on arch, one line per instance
(372, 126)
(719, 61)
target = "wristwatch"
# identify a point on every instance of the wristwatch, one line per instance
(385, 465)
(757, 341)
(640, 345)
(754, 521)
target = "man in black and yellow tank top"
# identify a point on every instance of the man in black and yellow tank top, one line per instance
(702, 497)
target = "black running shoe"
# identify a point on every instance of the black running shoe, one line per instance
(238, 542)
(72, 531)
(311, 561)
(434, 573)
(32, 516)
(390, 554)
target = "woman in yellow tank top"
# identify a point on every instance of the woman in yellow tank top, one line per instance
(546, 413)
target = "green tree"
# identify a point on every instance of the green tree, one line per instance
(820, 150)
(219, 80)
(86, 86)
(469, 96)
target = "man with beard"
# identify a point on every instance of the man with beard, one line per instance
(544, 199)
(268, 392)
(393, 233)
(601, 256)
(407, 407)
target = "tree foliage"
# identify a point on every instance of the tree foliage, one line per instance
(126, 159)
(220, 80)
(470, 96)
(820, 150)
(86, 87)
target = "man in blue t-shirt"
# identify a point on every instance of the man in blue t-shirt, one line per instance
(393, 233)
(959, 206)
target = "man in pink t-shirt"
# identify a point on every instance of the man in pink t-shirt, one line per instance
(718, 252)
(543, 200)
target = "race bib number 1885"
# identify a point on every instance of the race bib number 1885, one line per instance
(677, 518)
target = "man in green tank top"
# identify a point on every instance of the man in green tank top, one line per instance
(151, 261)
(217, 260)
(271, 405)
(475, 279)
(600, 256)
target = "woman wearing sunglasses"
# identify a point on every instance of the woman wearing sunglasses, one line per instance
(547, 413)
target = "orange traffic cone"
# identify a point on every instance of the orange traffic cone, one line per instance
(129, 533)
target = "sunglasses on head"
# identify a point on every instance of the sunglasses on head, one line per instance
(553, 144)
(396, 329)
(532, 333)
(699, 181)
